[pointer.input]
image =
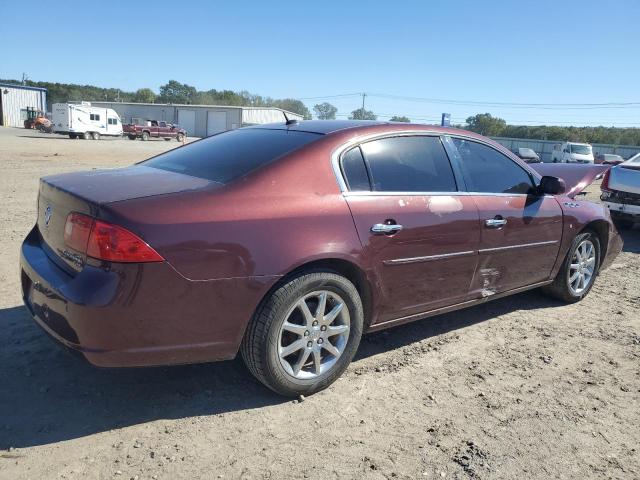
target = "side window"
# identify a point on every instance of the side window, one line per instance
(355, 171)
(409, 164)
(94, 116)
(488, 171)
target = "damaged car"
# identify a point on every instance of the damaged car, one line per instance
(621, 192)
(286, 242)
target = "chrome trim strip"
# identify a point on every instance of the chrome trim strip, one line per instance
(512, 247)
(429, 258)
(434, 194)
(337, 153)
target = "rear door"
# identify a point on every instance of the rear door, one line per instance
(520, 230)
(419, 233)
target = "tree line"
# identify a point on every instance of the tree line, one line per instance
(172, 92)
(182, 93)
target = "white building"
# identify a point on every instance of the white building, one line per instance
(199, 120)
(14, 101)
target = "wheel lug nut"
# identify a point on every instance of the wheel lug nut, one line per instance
(309, 344)
(320, 341)
(306, 333)
(315, 324)
(323, 328)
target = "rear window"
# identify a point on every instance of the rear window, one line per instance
(227, 156)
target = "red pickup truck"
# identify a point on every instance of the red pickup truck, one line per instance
(154, 129)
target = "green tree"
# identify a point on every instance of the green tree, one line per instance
(325, 111)
(292, 105)
(176, 92)
(362, 114)
(144, 95)
(486, 124)
(400, 118)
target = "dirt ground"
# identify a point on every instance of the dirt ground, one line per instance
(522, 387)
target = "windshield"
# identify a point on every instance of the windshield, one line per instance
(581, 149)
(227, 156)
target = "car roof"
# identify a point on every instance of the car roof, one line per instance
(326, 127)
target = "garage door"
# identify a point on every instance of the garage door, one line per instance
(187, 120)
(216, 122)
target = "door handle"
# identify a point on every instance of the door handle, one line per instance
(386, 228)
(495, 222)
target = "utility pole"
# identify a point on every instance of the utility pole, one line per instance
(24, 78)
(363, 95)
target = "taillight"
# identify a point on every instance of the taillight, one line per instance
(106, 241)
(604, 186)
(77, 230)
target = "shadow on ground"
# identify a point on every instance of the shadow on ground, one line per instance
(631, 239)
(48, 395)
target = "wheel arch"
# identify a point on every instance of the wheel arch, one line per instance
(601, 229)
(350, 270)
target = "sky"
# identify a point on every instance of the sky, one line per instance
(407, 56)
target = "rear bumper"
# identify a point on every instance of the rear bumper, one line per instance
(124, 315)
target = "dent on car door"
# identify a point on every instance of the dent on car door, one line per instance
(422, 246)
(520, 229)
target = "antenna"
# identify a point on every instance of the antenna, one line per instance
(289, 121)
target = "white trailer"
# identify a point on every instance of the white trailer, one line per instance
(81, 120)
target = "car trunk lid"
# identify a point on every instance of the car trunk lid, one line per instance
(86, 192)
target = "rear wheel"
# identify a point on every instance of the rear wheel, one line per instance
(132, 137)
(95, 136)
(145, 136)
(305, 334)
(579, 269)
(166, 139)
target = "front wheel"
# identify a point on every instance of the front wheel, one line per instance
(86, 136)
(304, 335)
(180, 137)
(578, 271)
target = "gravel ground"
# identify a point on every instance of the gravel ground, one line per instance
(522, 387)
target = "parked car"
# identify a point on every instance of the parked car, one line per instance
(82, 120)
(621, 192)
(287, 241)
(608, 159)
(154, 129)
(527, 154)
(570, 152)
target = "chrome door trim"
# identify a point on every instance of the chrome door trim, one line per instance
(428, 258)
(513, 247)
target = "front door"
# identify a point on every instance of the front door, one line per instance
(520, 230)
(419, 234)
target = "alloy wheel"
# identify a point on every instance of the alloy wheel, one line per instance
(582, 267)
(311, 343)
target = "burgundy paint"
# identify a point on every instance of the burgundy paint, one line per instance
(227, 246)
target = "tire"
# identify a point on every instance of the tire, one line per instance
(95, 136)
(562, 288)
(132, 137)
(86, 136)
(145, 136)
(166, 139)
(73, 136)
(179, 137)
(267, 340)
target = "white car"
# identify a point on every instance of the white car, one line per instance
(571, 152)
(621, 192)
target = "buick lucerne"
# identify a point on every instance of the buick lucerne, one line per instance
(286, 242)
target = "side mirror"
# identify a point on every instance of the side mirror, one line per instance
(551, 186)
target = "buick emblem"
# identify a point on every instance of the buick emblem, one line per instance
(47, 215)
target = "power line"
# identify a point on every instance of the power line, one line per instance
(541, 106)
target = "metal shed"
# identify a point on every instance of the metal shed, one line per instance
(199, 120)
(14, 100)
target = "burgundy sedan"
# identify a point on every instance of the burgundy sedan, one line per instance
(286, 242)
